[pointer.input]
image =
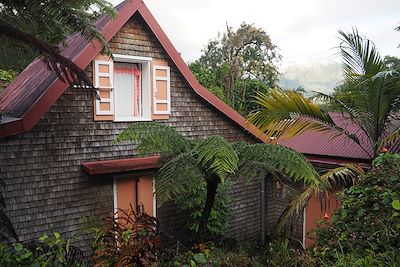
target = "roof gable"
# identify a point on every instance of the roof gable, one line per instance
(37, 88)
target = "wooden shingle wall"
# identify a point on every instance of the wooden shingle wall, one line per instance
(46, 188)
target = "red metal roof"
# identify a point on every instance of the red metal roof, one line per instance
(37, 88)
(319, 143)
(121, 165)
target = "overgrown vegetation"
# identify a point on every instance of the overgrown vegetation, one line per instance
(192, 201)
(6, 77)
(367, 222)
(128, 238)
(48, 250)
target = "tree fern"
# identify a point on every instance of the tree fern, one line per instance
(155, 138)
(217, 156)
(276, 158)
(176, 176)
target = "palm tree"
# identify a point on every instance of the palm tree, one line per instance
(213, 159)
(375, 95)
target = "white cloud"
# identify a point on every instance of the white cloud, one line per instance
(305, 31)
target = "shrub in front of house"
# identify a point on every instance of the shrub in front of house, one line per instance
(367, 225)
(47, 250)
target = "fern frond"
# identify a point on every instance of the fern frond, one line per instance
(155, 138)
(279, 159)
(176, 176)
(217, 156)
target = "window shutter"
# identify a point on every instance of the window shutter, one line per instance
(103, 80)
(161, 90)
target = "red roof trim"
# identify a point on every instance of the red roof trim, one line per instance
(325, 161)
(34, 114)
(121, 165)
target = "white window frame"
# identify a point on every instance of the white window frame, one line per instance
(158, 101)
(110, 76)
(145, 86)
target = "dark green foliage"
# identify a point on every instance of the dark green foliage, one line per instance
(192, 201)
(237, 64)
(209, 255)
(6, 77)
(50, 250)
(258, 159)
(126, 238)
(366, 223)
(244, 92)
(212, 161)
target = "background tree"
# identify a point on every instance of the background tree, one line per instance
(213, 160)
(38, 27)
(233, 63)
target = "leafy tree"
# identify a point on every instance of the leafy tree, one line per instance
(36, 27)
(213, 160)
(375, 94)
(237, 57)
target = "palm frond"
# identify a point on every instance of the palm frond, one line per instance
(217, 156)
(284, 114)
(339, 177)
(176, 176)
(276, 158)
(155, 138)
(342, 176)
(295, 209)
(389, 140)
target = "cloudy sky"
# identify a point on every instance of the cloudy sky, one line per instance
(305, 31)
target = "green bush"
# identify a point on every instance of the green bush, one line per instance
(367, 224)
(6, 76)
(50, 250)
(192, 201)
(209, 255)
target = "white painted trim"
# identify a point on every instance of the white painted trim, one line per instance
(121, 119)
(154, 197)
(145, 107)
(115, 195)
(304, 227)
(131, 59)
(158, 101)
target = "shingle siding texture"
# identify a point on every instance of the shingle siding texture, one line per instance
(46, 188)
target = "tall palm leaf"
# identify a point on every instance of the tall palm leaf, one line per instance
(376, 93)
(375, 101)
(336, 178)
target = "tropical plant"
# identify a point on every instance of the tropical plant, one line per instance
(191, 202)
(127, 238)
(366, 224)
(47, 250)
(212, 159)
(36, 27)
(374, 90)
(375, 95)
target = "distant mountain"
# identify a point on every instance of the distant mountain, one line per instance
(322, 77)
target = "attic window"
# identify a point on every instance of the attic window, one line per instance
(132, 94)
